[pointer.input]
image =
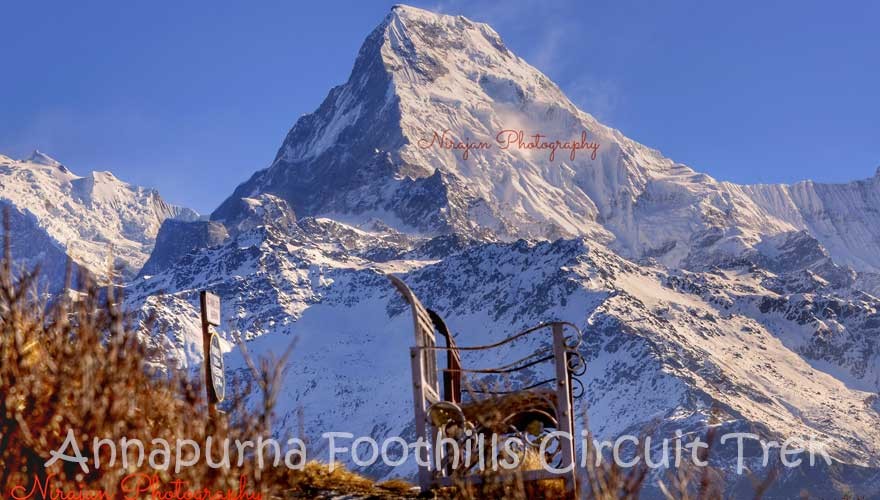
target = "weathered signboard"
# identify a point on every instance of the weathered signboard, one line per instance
(215, 380)
(215, 361)
(210, 308)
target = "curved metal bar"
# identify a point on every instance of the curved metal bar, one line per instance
(503, 369)
(579, 367)
(539, 352)
(553, 453)
(524, 434)
(532, 443)
(578, 392)
(508, 339)
(550, 418)
(449, 406)
(477, 391)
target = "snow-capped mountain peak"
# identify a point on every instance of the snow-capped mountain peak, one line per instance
(99, 221)
(41, 158)
(441, 129)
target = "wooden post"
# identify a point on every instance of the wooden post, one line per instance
(426, 388)
(420, 402)
(564, 405)
(210, 307)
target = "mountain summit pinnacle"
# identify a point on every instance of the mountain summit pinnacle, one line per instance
(417, 76)
(41, 158)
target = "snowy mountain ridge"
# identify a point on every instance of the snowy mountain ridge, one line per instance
(419, 73)
(758, 302)
(91, 219)
(661, 345)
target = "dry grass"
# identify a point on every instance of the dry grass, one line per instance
(78, 365)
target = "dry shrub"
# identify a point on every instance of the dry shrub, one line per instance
(607, 480)
(77, 365)
(317, 479)
(692, 482)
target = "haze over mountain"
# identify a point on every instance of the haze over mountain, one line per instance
(756, 302)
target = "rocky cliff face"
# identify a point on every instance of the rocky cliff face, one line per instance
(176, 238)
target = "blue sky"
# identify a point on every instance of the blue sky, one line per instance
(192, 97)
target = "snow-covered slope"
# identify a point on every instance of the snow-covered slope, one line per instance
(757, 301)
(91, 219)
(845, 218)
(662, 345)
(369, 151)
